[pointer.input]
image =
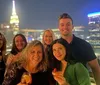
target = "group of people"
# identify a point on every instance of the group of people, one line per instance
(50, 62)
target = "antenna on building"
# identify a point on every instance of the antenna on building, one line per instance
(14, 20)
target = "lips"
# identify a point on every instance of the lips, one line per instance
(35, 59)
(65, 30)
(58, 56)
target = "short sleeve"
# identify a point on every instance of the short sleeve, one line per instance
(82, 74)
(82, 51)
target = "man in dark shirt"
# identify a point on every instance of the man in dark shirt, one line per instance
(80, 50)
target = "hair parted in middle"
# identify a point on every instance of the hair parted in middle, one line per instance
(42, 66)
(53, 36)
(14, 49)
(56, 63)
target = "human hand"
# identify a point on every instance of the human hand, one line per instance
(58, 76)
(21, 84)
(26, 78)
(9, 60)
(16, 56)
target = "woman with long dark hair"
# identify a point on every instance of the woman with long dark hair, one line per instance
(2, 56)
(67, 72)
(19, 43)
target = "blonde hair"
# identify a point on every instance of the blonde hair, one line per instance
(42, 66)
(53, 36)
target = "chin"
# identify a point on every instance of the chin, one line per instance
(59, 59)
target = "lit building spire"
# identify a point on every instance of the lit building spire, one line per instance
(14, 20)
(13, 9)
(14, 17)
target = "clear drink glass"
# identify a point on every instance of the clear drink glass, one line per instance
(26, 79)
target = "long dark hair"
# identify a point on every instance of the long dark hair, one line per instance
(57, 63)
(3, 48)
(14, 49)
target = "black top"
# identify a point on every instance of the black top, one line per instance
(50, 59)
(14, 74)
(80, 50)
(2, 70)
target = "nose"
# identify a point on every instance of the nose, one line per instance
(65, 26)
(36, 55)
(57, 52)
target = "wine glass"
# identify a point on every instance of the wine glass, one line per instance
(26, 78)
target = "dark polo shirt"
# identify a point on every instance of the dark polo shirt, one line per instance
(80, 50)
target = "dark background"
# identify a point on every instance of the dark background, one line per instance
(42, 14)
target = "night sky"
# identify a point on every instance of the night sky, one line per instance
(42, 14)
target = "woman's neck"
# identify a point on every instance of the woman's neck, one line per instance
(30, 69)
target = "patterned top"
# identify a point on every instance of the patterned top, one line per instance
(14, 74)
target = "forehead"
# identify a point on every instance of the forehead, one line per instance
(65, 20)
(47, 32)
(18, 37)
(35, 47)
(57, 45)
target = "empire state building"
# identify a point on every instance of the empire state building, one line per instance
(14, 20)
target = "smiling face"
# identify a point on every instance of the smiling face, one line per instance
(47, 37)
(59, 51)
(19, 42)
(65, 26)
(35, 55)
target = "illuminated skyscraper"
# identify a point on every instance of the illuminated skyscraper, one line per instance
(94, 20)
(94, 30)
(14, 20)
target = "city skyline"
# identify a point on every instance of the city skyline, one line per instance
(44, 14)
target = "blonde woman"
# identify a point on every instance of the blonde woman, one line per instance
(32, 62)
(47, 39)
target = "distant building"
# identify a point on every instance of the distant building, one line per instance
(94, 20)
(94, 31)
(79, 31)
(4, 26)
(14, 20)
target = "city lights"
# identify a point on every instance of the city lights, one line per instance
(94, 14)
